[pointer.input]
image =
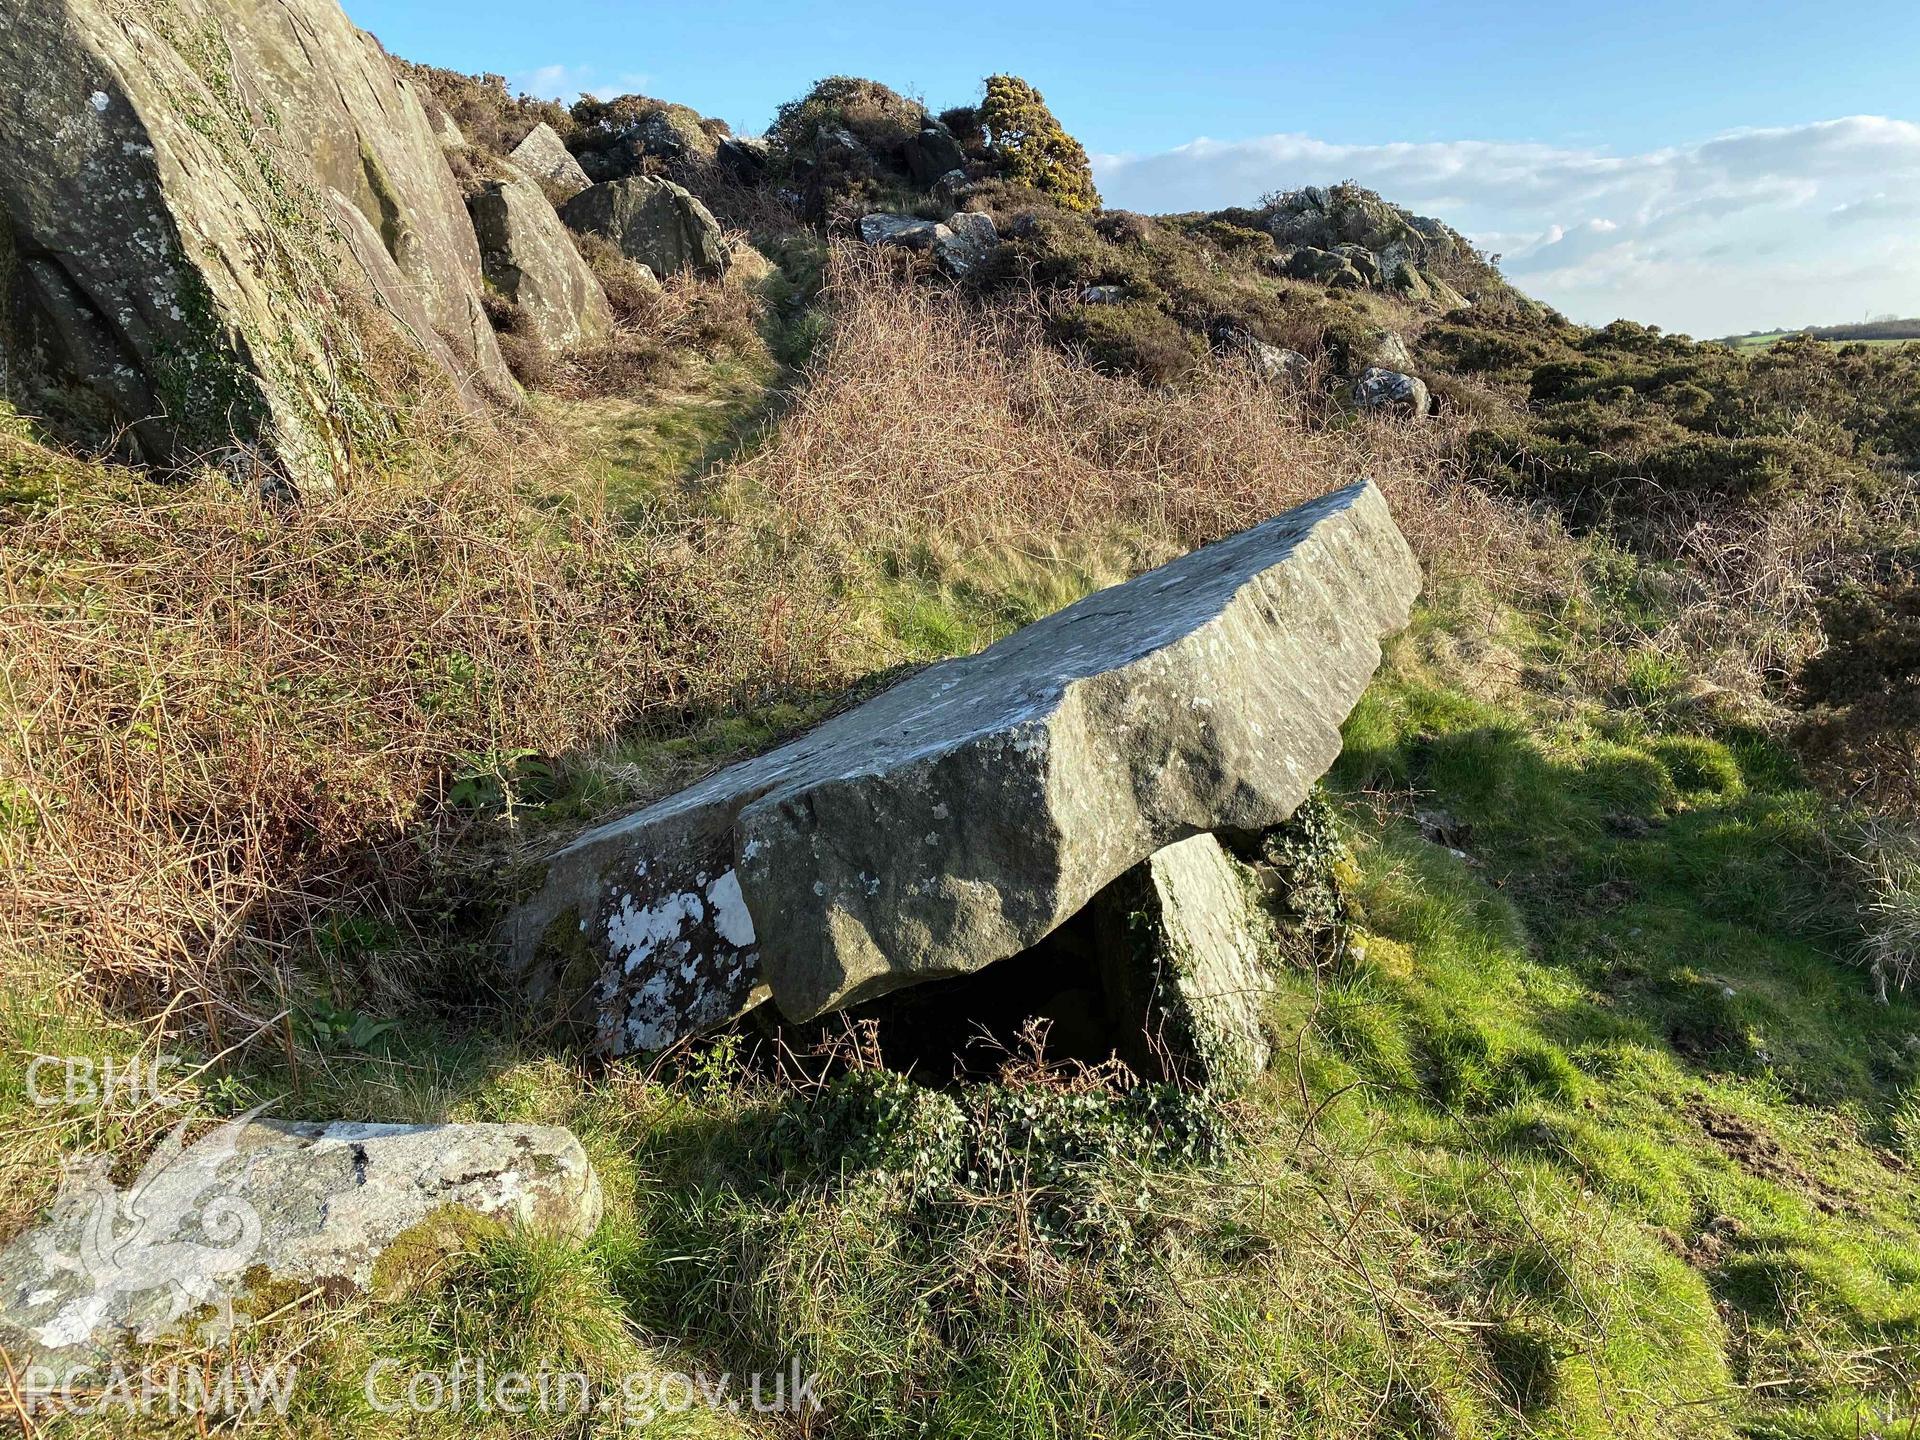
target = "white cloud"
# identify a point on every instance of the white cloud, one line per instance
(570, 82)
(1795, 225)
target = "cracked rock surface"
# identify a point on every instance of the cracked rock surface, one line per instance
(961, 816)
(151, 148)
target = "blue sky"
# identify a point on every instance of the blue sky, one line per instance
(1679, 162)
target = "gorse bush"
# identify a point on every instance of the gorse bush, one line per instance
(1032, 148)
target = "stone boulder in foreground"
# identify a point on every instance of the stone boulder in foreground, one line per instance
(258, 1211)
(208, 203)
(531, 260)
(961, 816)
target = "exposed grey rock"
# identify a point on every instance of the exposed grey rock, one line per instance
(532, 260)
(203, 237)
(1443, 296)
(1392, 391)
(932, 153)
(906, 231)
(1408, 280)
(970, 240)
(1187, 955)
(1103, 295)
(1277, 363)
(656, 222)
(836, 142)
(257, 1203)
(674, 133)
(1323, 267)
(745, 157)
(447, 129)
(1270, 362)
(629, 134)
(1341, 215)
(544, 156)
(1389, 352)
(952, 188)
(962, 815)
(1365, 263)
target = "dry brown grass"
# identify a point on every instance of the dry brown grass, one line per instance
(927, 416)
(223, 718)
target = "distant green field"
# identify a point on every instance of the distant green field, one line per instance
(1761, 342)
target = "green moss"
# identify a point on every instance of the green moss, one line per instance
(417, 1252)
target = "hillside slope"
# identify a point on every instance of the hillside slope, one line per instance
(1587, 1118)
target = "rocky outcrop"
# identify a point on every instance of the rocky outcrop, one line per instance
(961, 816)
(632, 134)
(744, 157)
(1388, 350)
(531, 260)
(544, 156)
(969, 243)
(257, 1208)
(1272, 363)
(932, 153)
(211, 201)
(1391, 392)
(1322, 267)
(960, 244)
(1349, 238)
(655, 222)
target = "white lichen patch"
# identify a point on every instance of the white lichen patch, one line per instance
(730, 917)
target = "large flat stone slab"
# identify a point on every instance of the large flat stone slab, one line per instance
(961, 816)
(255, 1204)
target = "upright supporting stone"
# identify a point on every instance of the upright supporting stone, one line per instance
(1182, 950)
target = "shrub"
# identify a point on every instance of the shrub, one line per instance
(225, 716)
(1134, 339)
(1031, 146)
(808, 151)
(634, 134)
(491, 118)
(1862, 691)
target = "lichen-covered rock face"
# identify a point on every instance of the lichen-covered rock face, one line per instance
(544, 156)
(1392, 392)
(531, 259)
(654, 222)
(1190, 960)
(258, 1204)
(195, 185)
(963, 815)
(909, 232)
(969, 243)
